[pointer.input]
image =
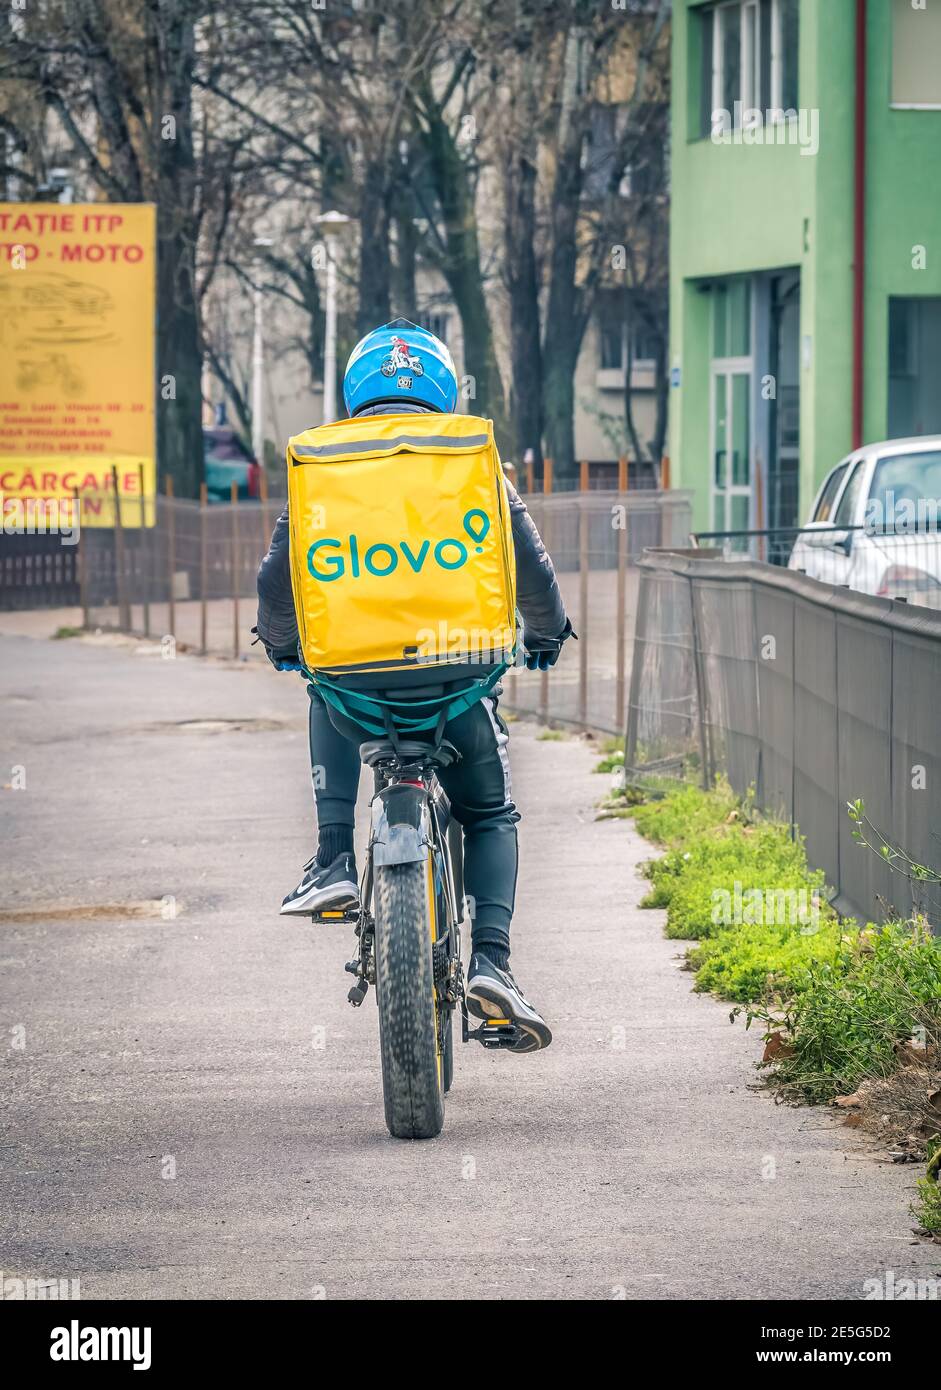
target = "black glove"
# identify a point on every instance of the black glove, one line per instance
(287, 660)
(543, 652)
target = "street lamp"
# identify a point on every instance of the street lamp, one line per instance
(258, 359)
(333, 225)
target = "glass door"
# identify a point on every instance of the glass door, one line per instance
(731, 449)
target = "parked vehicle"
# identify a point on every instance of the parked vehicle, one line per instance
(227, 460)
(874, 525)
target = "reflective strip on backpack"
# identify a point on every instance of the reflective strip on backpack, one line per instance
(386, 446)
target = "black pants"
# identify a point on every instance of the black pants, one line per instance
(478, 786)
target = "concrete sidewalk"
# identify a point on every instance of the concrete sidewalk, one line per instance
(197, 1111)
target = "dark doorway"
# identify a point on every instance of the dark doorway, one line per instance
(783, 464)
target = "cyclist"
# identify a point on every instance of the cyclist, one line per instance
(478, 784)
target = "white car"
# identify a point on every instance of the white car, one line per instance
(875, 522)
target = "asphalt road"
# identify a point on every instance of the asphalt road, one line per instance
(191, 1109)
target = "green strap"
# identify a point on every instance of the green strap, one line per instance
(366, 710)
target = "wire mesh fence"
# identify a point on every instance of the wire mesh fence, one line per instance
(900, 561)
(595, 539)
(190, 576)
(803, 693)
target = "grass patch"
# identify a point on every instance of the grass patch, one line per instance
(612, 755)
(926, 1207)
(552, 736)
(741, 887)
(853, 1013)
(63, 632)
(682, 813)
(848, 1012)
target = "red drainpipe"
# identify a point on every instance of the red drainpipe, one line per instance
(859, 224)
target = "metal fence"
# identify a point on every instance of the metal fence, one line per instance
(898, 561)
(807, 693)
(595, 539)
(37, 571)
(190, 576)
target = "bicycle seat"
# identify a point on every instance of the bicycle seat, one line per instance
(379, 750)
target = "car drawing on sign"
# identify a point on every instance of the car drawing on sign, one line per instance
(46, 307)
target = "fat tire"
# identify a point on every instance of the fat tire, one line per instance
(413, 1095)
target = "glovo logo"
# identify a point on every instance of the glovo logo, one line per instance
(331, 559)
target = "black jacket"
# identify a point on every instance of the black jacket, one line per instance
(537, 589)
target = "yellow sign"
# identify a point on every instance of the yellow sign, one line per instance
(77, 305)
(36, 496)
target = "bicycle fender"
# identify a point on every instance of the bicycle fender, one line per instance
(400, 832)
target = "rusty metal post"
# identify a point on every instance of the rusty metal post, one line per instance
(584, 523)
(265, 514)
(546, 531)
(81, 558)
(124, 615)
(203, 565)
(583, 478)
(622, 475)
(171, 554)
(621, 622)
(146, 569)
(234, 495)
(665, 473)
(530, 476)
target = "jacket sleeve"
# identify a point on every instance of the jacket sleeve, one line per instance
(277, 623)
(538, 596)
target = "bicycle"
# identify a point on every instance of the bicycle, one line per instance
(408, 930)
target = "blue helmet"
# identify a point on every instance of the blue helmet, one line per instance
(400, 362)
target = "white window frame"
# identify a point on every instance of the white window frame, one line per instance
(905, 105)
(777, 60)
(749, 68)
(729, 367)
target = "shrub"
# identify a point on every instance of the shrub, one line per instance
(760, 963)
(845, 1023)
(685, 812)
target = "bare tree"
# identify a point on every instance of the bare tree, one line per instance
(119, 84)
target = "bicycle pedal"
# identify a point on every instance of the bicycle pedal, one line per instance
(497, 1032)
(336, 916)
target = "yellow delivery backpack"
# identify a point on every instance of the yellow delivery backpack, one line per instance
(402, 565)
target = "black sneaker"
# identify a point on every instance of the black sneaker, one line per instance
(493, 993)
(333, 886)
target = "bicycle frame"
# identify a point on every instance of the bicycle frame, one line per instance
(409, 820)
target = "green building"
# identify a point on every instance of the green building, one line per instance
(805, 244)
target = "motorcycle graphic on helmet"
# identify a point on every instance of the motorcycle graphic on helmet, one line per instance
(401, 359)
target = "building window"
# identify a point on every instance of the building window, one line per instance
(436, 324)
(749, 58)
(914, 367)
(612, 349)
(916, 45)
(731, 318)
(612, 332)
(644, 347)
(784, 41)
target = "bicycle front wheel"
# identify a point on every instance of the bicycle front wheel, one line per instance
(413, 1080)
